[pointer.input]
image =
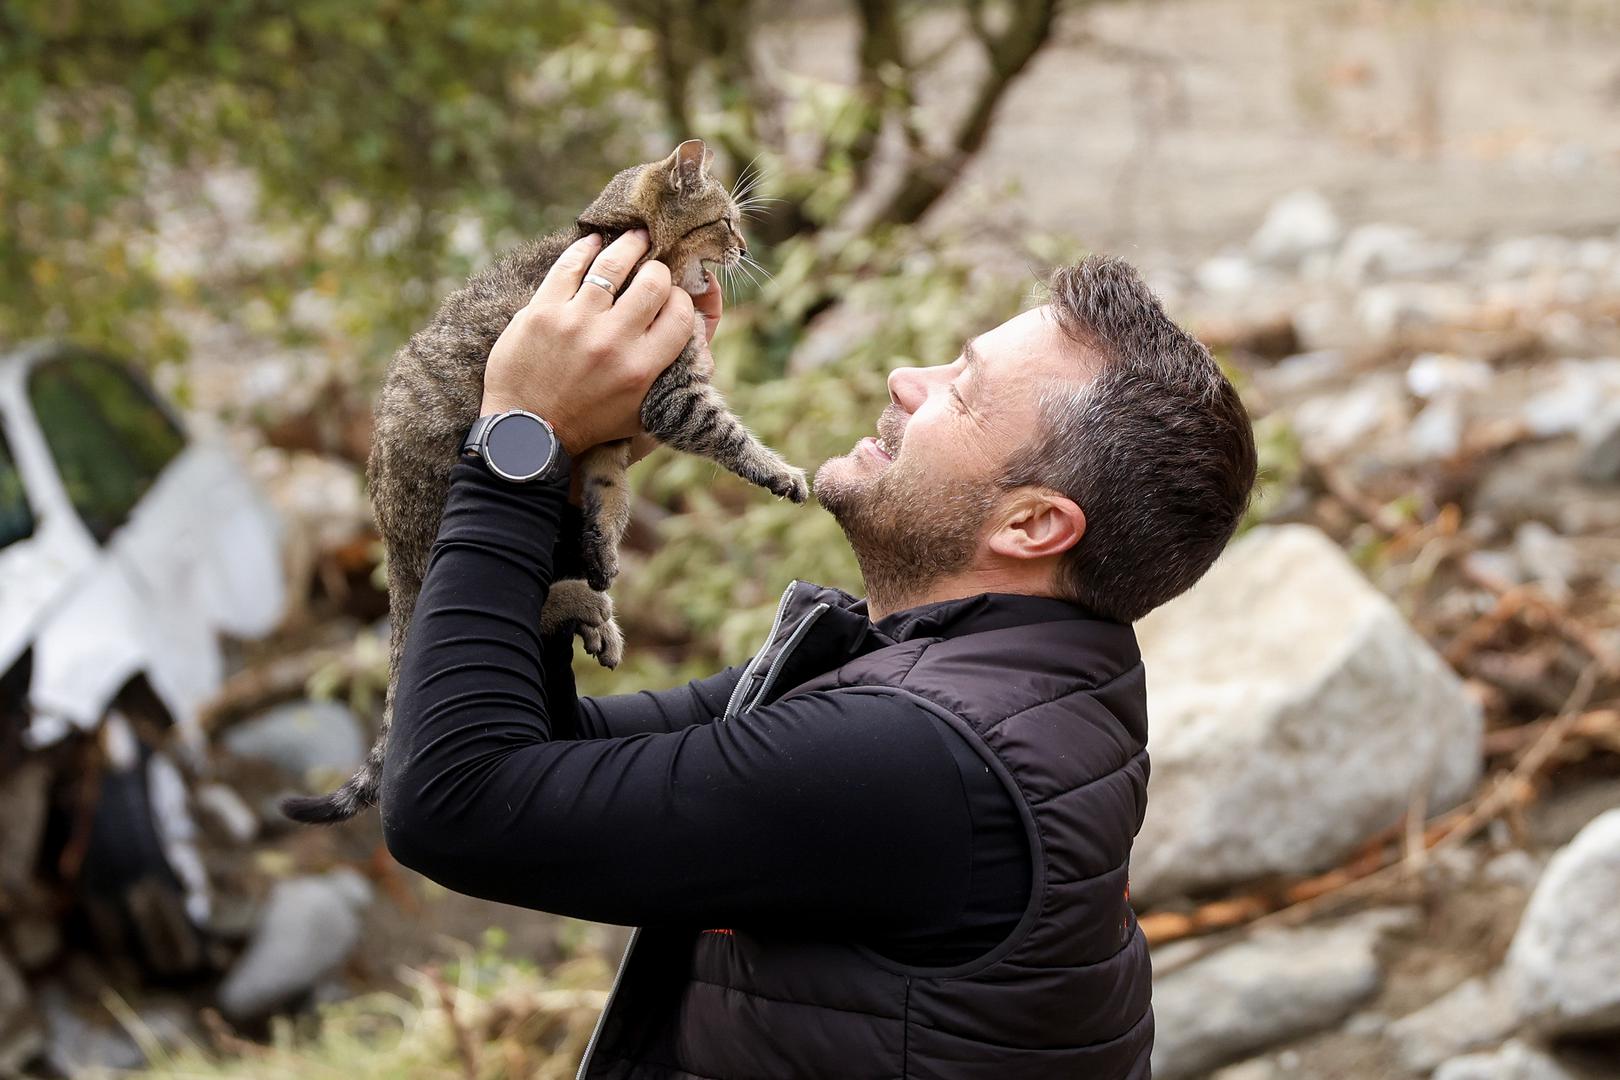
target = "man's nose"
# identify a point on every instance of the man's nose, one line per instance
(906, 388)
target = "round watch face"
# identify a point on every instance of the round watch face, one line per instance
(518, 447)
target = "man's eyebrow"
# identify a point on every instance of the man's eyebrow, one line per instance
(970, 356)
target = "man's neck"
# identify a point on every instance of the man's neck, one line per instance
(881, 603)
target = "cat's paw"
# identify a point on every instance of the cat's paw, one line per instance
(601, 558)
(603, 640)
(790, 483)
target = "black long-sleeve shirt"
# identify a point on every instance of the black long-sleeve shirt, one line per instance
(857, 816)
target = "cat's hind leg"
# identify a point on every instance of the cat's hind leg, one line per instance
(573, 603)
(605, 506)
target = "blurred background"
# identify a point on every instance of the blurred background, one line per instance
(1383, 830)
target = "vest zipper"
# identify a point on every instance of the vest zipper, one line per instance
(601, 1021)
(731, 710)
(788, 646)
(734, 703)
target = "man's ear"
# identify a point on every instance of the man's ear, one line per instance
(687, 165)
(1038, 523)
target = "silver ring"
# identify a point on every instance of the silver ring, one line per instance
(601, 283)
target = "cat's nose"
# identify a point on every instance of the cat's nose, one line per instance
(742, 250)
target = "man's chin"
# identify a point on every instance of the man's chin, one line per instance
(838, 481)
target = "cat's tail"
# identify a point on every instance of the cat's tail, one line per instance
(361, 791)
(357, 794)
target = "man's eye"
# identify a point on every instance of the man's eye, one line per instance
(958, 397)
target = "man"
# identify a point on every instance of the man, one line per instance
(895, 843)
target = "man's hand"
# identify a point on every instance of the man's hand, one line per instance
(578, 359)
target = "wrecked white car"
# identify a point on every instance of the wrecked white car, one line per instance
(127, 552)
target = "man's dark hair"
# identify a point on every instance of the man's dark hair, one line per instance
(1156, 448)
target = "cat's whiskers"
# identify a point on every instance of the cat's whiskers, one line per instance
(745, 180)
(748, 261)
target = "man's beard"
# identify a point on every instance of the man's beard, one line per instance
(908, 529)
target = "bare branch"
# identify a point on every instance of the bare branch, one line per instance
(1007, 52)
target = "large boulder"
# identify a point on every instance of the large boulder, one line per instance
(308, 928)
(1278, 985)
(1293, 713)
(1564, 964)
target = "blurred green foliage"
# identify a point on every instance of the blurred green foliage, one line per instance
(361, 133)
(317, 175)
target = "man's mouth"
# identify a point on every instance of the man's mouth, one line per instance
(875, 448)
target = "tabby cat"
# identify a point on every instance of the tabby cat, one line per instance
(434, 387)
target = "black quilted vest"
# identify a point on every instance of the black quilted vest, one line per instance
(1054, 701)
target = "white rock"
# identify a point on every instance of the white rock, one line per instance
(1295, 713)
(1332, 423)
(1255, 1069)
(1382, 251)
(1514, 1061)
(1515, 866)
(1278, 985)
(1564, 964)
(300, 737)
(1225, 275)
(1366, 1025)
(1478, 1013)
(1433, 375)
(1548, 559)
(225, 809)
(1385, 310)
(1600, 445)
(1572, 394)
(1302, 372)
(308, 928)
(1596, 255)
(1436, 432)
(1522, 256)
(1297, 225)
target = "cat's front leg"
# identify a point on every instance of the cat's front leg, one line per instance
(573, 603)
(685, 412)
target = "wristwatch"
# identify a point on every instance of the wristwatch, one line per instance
(517, 446)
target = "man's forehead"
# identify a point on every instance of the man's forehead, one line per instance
(1028, 345)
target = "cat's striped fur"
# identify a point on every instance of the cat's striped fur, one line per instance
(434, 386)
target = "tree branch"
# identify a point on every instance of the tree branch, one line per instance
(1007, 53)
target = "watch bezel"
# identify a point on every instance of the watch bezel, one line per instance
(489, 462)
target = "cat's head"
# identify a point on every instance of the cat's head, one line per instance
(689, 216)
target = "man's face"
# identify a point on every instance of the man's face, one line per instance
(915, 499)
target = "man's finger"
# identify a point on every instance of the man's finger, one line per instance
(613, 267)
(643, 297)
(709, 304)
(670, 331)
(562, 280)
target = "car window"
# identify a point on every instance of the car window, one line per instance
(16, 520)
(108, 435)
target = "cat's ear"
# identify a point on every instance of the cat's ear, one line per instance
(688, 164)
